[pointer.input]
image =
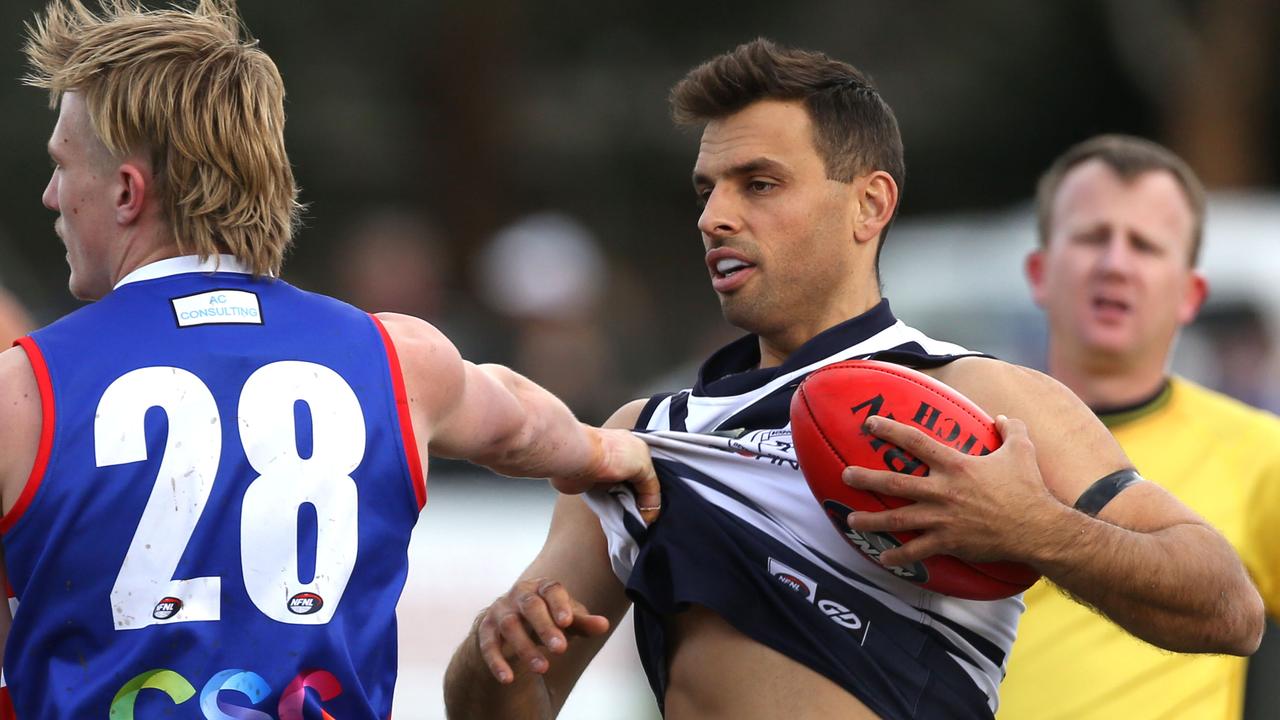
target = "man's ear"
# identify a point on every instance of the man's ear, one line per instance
(1034, 267)
(877, 199)
(131, 198)
(1193, 300)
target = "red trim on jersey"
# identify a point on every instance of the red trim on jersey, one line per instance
(41, 370)
(406, 423)
(6, 705)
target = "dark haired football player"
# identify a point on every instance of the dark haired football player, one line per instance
(748, 603)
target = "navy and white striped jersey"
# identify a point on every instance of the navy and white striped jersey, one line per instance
(741, 534)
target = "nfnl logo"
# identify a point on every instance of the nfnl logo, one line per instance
(166, 608)
(794, 579)
(305, 603)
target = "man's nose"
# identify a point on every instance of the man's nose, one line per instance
(50, 196)
(720, 216)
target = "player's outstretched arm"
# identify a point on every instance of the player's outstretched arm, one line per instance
(526, 651)
(495, 417)
(1145, 560)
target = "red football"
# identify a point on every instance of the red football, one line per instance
(827, 413)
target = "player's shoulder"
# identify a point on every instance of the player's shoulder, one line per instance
(15, 371)
(415, 339)
(20, 400)
(1051, 411)
(1004, 386)
(431, 367)
(628, 415)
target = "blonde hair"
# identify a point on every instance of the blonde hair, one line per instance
(206, 104)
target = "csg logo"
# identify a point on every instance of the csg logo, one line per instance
(305, 603)
(166, 608)
(213, 706)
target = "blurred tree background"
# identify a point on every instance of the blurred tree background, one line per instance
(469, 116)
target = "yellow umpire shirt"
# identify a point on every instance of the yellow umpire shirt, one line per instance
(1220, 457)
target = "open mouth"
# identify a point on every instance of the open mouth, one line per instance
(1110, 305)
(727, 267)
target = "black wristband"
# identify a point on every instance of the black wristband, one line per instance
(1100, 493)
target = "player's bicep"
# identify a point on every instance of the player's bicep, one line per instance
(1075, 451)
(1077, 454)
(484, 413)
(457, 408)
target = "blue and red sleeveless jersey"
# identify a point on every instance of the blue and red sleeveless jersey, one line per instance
(218, 521)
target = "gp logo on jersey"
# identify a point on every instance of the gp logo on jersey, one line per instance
(305, 603)
(807, 587)
(167, 608)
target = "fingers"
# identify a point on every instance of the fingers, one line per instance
(920, 547)
(1012, 430)
(588, 625)
(887, 482)
(489, 640)
(630, 462)
(643, 479)
(535, 614)
(904, 519)
(516, 641)
(911, 552)
(546, 608)
(911, 439)
(649, 503)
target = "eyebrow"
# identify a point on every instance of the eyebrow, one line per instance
(750, 167)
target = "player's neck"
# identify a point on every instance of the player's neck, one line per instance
(1104, 384)
(776, 347)
(143, 250)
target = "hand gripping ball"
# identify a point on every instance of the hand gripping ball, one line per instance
(827, 414)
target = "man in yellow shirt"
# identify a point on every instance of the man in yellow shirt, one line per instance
(1120, 221)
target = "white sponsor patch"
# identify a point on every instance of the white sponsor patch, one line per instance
(218, 307)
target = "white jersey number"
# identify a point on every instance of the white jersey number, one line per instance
(145, 591)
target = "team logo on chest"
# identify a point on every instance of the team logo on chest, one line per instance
(794, 579)
(305, 603)
(166, 608)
